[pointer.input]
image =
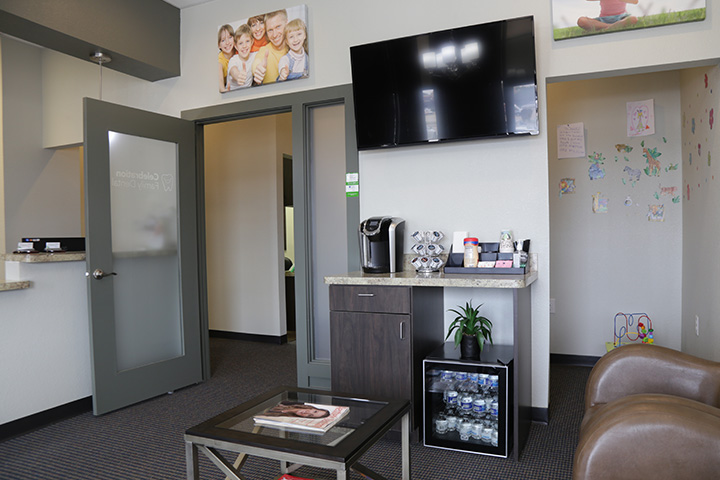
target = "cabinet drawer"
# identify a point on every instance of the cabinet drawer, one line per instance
(370, 298)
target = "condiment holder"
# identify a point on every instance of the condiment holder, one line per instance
(428, 250)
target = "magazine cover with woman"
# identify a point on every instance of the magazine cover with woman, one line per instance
(310, 417)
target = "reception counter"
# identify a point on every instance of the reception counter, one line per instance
(44, 334)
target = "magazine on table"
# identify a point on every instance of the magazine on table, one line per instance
(310, 417)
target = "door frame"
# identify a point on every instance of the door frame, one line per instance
(312, 372)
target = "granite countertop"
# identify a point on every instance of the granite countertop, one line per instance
(9, 286)
(42, 257)
(410, 278)
(413, 279)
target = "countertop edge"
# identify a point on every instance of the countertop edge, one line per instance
(43, 257)
(10, 286)
(414, 279)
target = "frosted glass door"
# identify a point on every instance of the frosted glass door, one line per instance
(144, 290)
(143, 212)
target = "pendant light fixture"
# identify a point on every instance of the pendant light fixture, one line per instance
(100, 58)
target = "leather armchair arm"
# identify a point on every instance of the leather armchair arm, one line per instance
(635, 369)
(661, 438)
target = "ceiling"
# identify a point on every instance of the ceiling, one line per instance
(186, 3)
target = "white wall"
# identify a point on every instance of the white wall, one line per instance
(243, 204)
(42, 189)
(518, 166)
(701, 197)
(605, 263)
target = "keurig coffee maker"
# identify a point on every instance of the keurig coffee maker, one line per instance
(381, 244)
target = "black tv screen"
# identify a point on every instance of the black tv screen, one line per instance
(463, 83)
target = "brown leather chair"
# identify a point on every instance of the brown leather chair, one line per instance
(650, 413)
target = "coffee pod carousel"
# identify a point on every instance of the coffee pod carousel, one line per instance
(428, 250)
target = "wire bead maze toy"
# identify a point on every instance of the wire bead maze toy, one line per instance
(632, 320)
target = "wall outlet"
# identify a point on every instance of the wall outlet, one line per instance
(697, 326)
(552, 305)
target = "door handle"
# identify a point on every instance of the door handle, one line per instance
(98, 274)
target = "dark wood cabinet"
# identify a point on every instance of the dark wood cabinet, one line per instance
(379, 336)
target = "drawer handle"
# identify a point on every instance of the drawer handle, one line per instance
(365, 294)
(402, 330)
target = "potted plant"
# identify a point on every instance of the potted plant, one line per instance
(471, 330)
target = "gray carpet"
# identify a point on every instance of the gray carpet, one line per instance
(145, 441)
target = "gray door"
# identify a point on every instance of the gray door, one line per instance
(142, 254)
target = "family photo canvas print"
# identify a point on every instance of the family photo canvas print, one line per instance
(262, 49)
(578, 18)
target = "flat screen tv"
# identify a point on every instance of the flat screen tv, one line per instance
(464, 83)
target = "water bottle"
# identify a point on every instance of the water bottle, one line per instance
(446, 380)
(465, 429)
(483, 382)
(494, 383)
(452, 423)
(466, 403)
(479, 406)
(494, 405)
(450, 397)
(441, 424)
(472, 383)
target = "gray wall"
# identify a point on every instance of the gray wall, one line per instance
(605, 263)
(701, 225)
(43, 188)
(141, 36)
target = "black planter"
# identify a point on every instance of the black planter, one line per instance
(469, 347)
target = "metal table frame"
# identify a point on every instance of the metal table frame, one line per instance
(290, 461)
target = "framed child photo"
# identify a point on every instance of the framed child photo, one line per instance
(580, 18)
(262, 49)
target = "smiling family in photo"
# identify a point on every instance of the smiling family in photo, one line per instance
(263, 49)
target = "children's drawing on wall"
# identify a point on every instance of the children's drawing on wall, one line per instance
(656, 213)
(633, 175)
(573, 18)
(653, 165)
(596, 172)
(567, 186)
(599, 203)
(640, 118)
(668, 191)
(672, 167)
(621, 147)
(571, 140)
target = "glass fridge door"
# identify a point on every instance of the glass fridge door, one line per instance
(467, 407)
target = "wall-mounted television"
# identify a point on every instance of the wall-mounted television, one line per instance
(463, 83)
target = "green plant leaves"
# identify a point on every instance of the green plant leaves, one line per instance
(469, 322)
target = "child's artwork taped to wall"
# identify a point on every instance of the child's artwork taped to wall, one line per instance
(571, 140)
(567, 185)
(640, 118)
(599, 203)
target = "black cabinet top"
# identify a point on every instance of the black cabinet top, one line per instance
(491, 354)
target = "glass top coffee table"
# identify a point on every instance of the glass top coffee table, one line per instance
(338, 449)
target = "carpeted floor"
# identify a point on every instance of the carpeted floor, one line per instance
(145, 441)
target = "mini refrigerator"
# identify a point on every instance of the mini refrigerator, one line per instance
(467, 404)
